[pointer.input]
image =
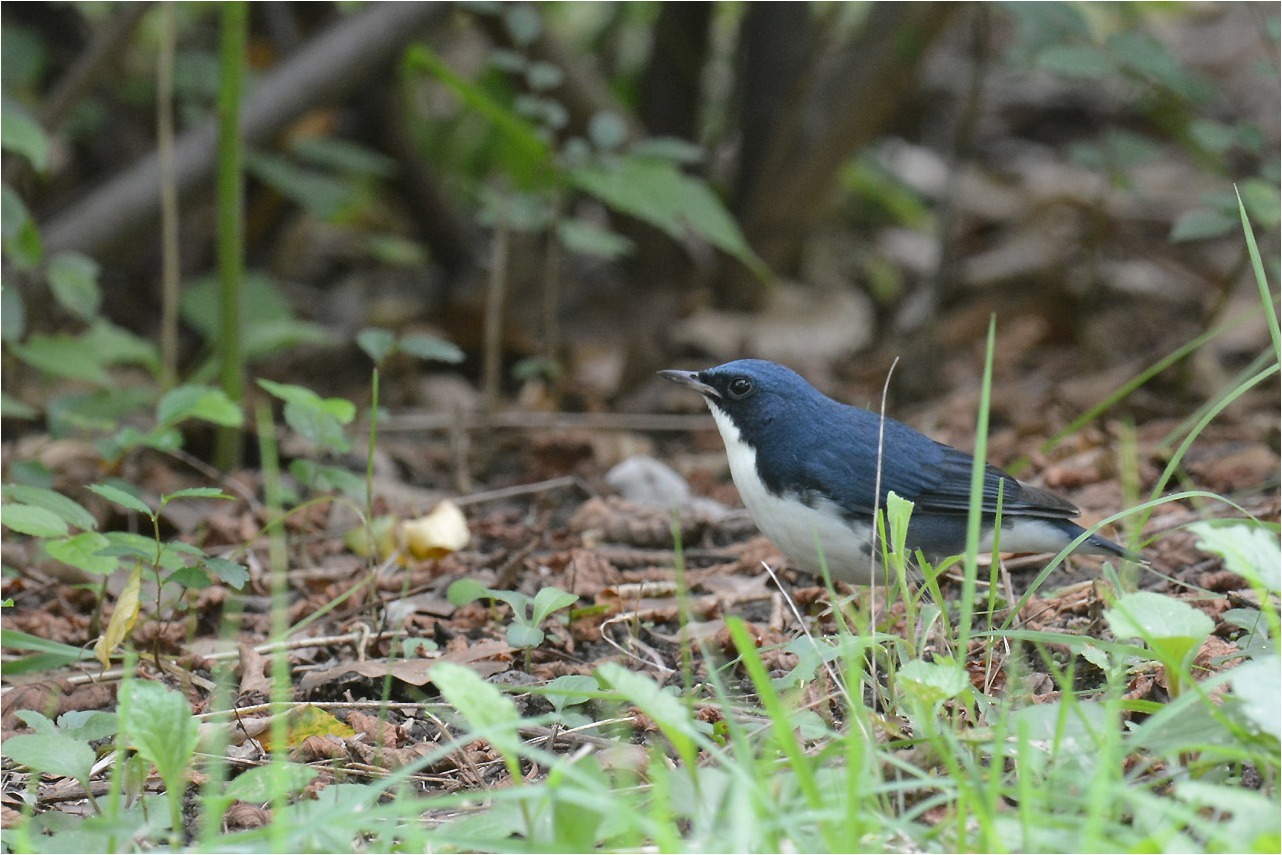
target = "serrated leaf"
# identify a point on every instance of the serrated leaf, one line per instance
(122, 498)
(1173, 629)
(66, 508)
(228, 572)
(29, 519)
(82, 550)
(73, 278)
(192, 577)
(160, 725)
(123, 618)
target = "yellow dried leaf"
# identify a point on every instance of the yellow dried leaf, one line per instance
(122, 619)
(441, 532)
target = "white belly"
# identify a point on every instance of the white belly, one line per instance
(811, 538)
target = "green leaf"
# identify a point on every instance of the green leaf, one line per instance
(549, 600)
(198, 402)
(324, 196)
(485, 707)
(160, 725)
(48, 654)
(82, 550)
(465, 590)
(658, 193)
(13, 213)
(1202, 224)
(667, 711)
(570, 690)
(1076, 61)
(122, 498)
(73, 278)
(377, 343)
(29, 519)
(932, 682)
(62, 355)
(1172, 628)
(228, 572)
(52, 753)
(263, 784)
(431, 348)
(327, 478)
(1258, 686)
(588, 239)
(524, 636)
(116, 346)
(1250, 550)
(339, 408)
(526, 156)
(316, 425)
(197, 493)
(12, 408)
(22, 134)
(340, 155)
(69, 510)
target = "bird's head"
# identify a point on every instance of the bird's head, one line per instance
(752, 393)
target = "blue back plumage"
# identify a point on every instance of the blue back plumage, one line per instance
(808, 443)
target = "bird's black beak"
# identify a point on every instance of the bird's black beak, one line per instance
(691, 379)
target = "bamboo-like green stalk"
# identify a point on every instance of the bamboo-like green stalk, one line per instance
(231, 224)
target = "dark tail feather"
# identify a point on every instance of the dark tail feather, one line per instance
(1096, 545)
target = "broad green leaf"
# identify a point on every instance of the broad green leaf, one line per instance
(73, 278)
(193, 577)
(263, 784)
(1202, 224)
(932, 682)
(324, 196)
(22, 134)
(70, 511)
(667, 711)
(12, 408)
(570, 690)
(344, 156)
(1258, 686)
(122, 498)
(660, 194)
(526, 155)
(588, 239)
(29, 519)
(485, 707)
(1250, 550)
(465, 590)
(549, 600)
(114, 345)
(198, 402)
(52, 753)
(431, 348)
(228, 572)
(1076, 61)
(339, 408)
(524, 636)
(160, 725)
(62, 355)
(1173, 629)
(316, 425)
(13, 213)
(82, 550)
(377, 343)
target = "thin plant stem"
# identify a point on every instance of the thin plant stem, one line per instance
(170, 266)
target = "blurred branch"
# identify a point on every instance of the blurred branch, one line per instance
(323, 71)
(849, 103)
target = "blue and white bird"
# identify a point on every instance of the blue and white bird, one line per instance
(806, 469)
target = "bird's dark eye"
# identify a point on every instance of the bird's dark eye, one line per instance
(740, 387)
